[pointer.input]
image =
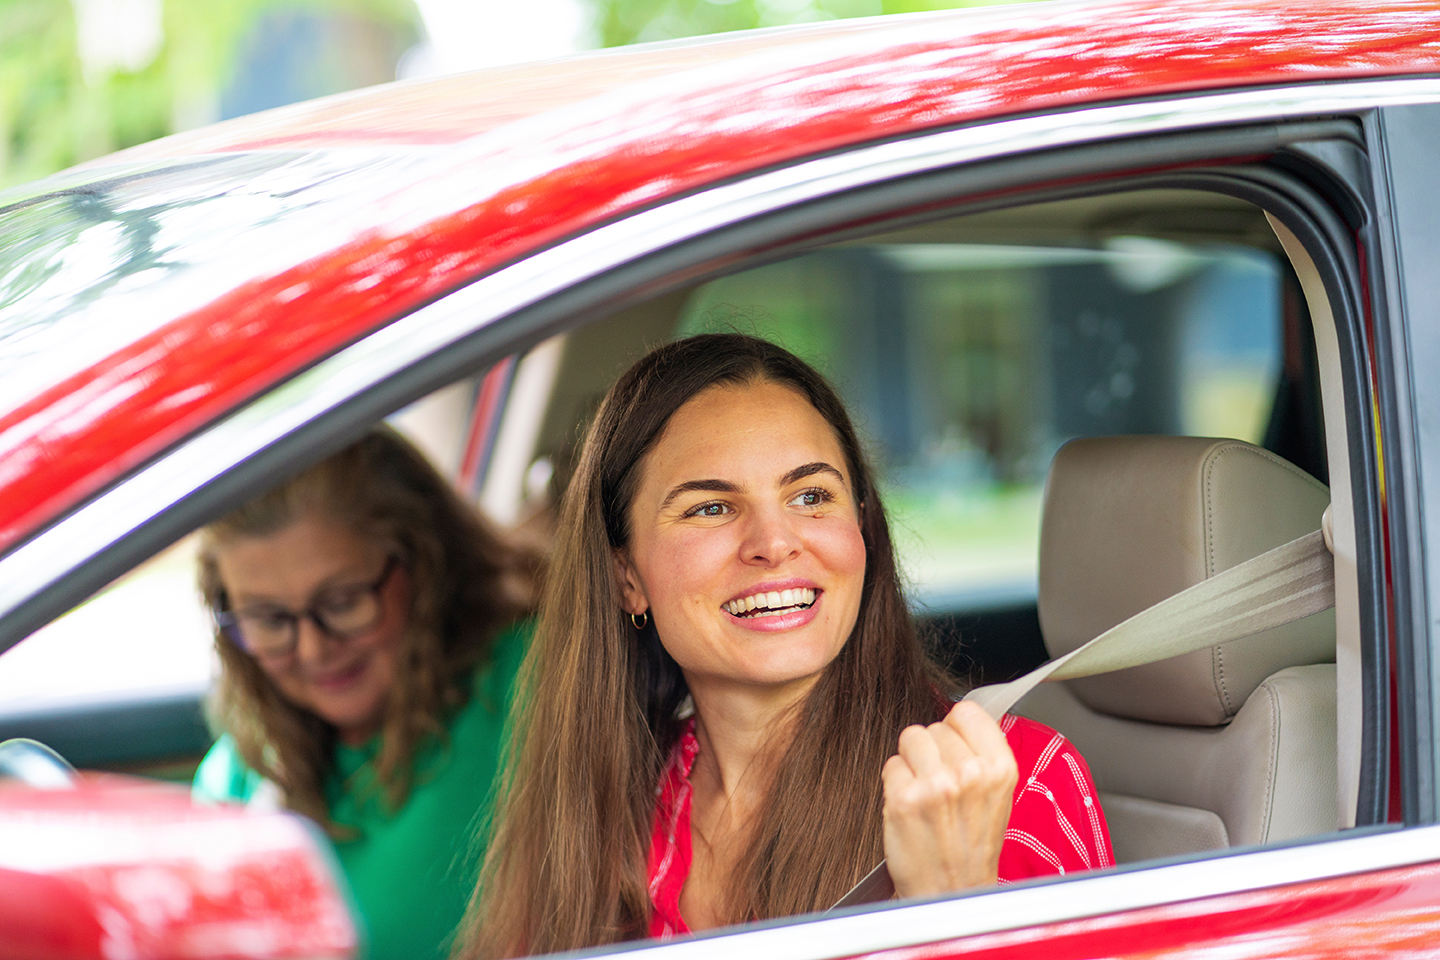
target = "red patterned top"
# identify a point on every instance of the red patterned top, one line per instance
(1056, 824)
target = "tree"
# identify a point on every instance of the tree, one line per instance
(629, 21)
(54, 113)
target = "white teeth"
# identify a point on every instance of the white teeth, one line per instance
(773, 600)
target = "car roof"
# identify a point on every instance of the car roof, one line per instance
(298, 230)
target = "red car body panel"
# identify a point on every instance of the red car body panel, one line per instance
(120, 868)
(1390, 913)
(522, 157)
(564, 171)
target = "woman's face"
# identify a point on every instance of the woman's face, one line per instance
(745, 542)
(304, 565)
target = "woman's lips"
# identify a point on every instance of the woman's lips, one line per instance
(779, 609)
(763, 603)
(335, 680)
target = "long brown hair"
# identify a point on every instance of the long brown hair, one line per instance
(468, 584)
(595, 715)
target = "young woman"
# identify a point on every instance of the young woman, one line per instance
(726, 713)
(368, 632)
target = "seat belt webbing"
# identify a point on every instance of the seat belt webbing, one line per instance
(1279, 586)
(1293, 580)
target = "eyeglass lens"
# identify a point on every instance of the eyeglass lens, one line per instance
(343, 612)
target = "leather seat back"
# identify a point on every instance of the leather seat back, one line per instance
(1233, 745)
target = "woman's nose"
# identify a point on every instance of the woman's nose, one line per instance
(310, 640)
(771, 538)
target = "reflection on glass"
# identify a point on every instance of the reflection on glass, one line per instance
(86, 270)
(969, 363)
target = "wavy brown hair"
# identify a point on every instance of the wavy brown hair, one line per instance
(469, 583)
(595, 712)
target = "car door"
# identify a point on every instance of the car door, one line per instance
(1373, 881)
(1335, 166)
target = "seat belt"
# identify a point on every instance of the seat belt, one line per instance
(1292, 581)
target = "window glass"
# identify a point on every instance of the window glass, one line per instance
(971, 349)
(148, 634)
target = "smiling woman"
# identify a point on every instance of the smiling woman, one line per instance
(366, 633)
(722, 624)
(728, 715)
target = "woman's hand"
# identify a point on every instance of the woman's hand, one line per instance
(947, 800)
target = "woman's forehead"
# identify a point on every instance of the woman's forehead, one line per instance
(753, 428)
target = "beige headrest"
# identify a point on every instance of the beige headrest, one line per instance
(1129, 521)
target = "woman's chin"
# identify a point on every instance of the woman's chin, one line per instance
(351, 700)
(777, 672)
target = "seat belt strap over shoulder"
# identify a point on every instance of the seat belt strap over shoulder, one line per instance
(1279, 586)
(1282, 585)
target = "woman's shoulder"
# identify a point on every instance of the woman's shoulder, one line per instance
(1043, 754)
(1031, 736)
(223, 775)
(1056, 822)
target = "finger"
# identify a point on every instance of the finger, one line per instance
(980, 732)
(984, 736)
(918, 748)
(896, 776)
(955, 752)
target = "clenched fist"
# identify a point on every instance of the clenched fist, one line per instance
(948, 793)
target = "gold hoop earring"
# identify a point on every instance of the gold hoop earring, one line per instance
(641, 619)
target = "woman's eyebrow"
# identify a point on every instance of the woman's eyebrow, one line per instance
(809, 470)
(708, 486)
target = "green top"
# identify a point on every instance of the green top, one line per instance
(411, 873)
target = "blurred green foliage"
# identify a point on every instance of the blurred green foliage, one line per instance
(51, 116)
(636, 21)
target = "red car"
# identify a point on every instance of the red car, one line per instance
(996, 230)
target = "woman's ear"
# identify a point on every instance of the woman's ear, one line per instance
(632, 593)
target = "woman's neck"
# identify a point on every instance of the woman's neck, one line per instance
(741, 729)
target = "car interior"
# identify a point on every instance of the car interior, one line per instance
(977, 352)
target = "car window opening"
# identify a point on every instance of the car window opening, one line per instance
(971, 350)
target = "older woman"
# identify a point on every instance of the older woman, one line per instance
(727, 713)
(367, 634)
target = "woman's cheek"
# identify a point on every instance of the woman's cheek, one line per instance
(681, 568)
(842, 547)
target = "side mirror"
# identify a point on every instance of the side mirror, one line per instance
(95, 866)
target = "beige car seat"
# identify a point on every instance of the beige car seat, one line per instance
(1229, 746)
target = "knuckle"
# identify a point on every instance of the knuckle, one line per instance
(901, 801)
(911, 733)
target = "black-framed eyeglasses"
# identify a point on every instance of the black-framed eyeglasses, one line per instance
(270, 632)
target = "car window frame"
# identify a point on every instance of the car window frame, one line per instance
(1404, 237)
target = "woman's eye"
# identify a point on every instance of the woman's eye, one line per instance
(812, 498)
(264, 620)
(708, 510)
(342, 602)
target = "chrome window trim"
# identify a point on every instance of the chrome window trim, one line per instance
(81, 535)
(996, 911)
